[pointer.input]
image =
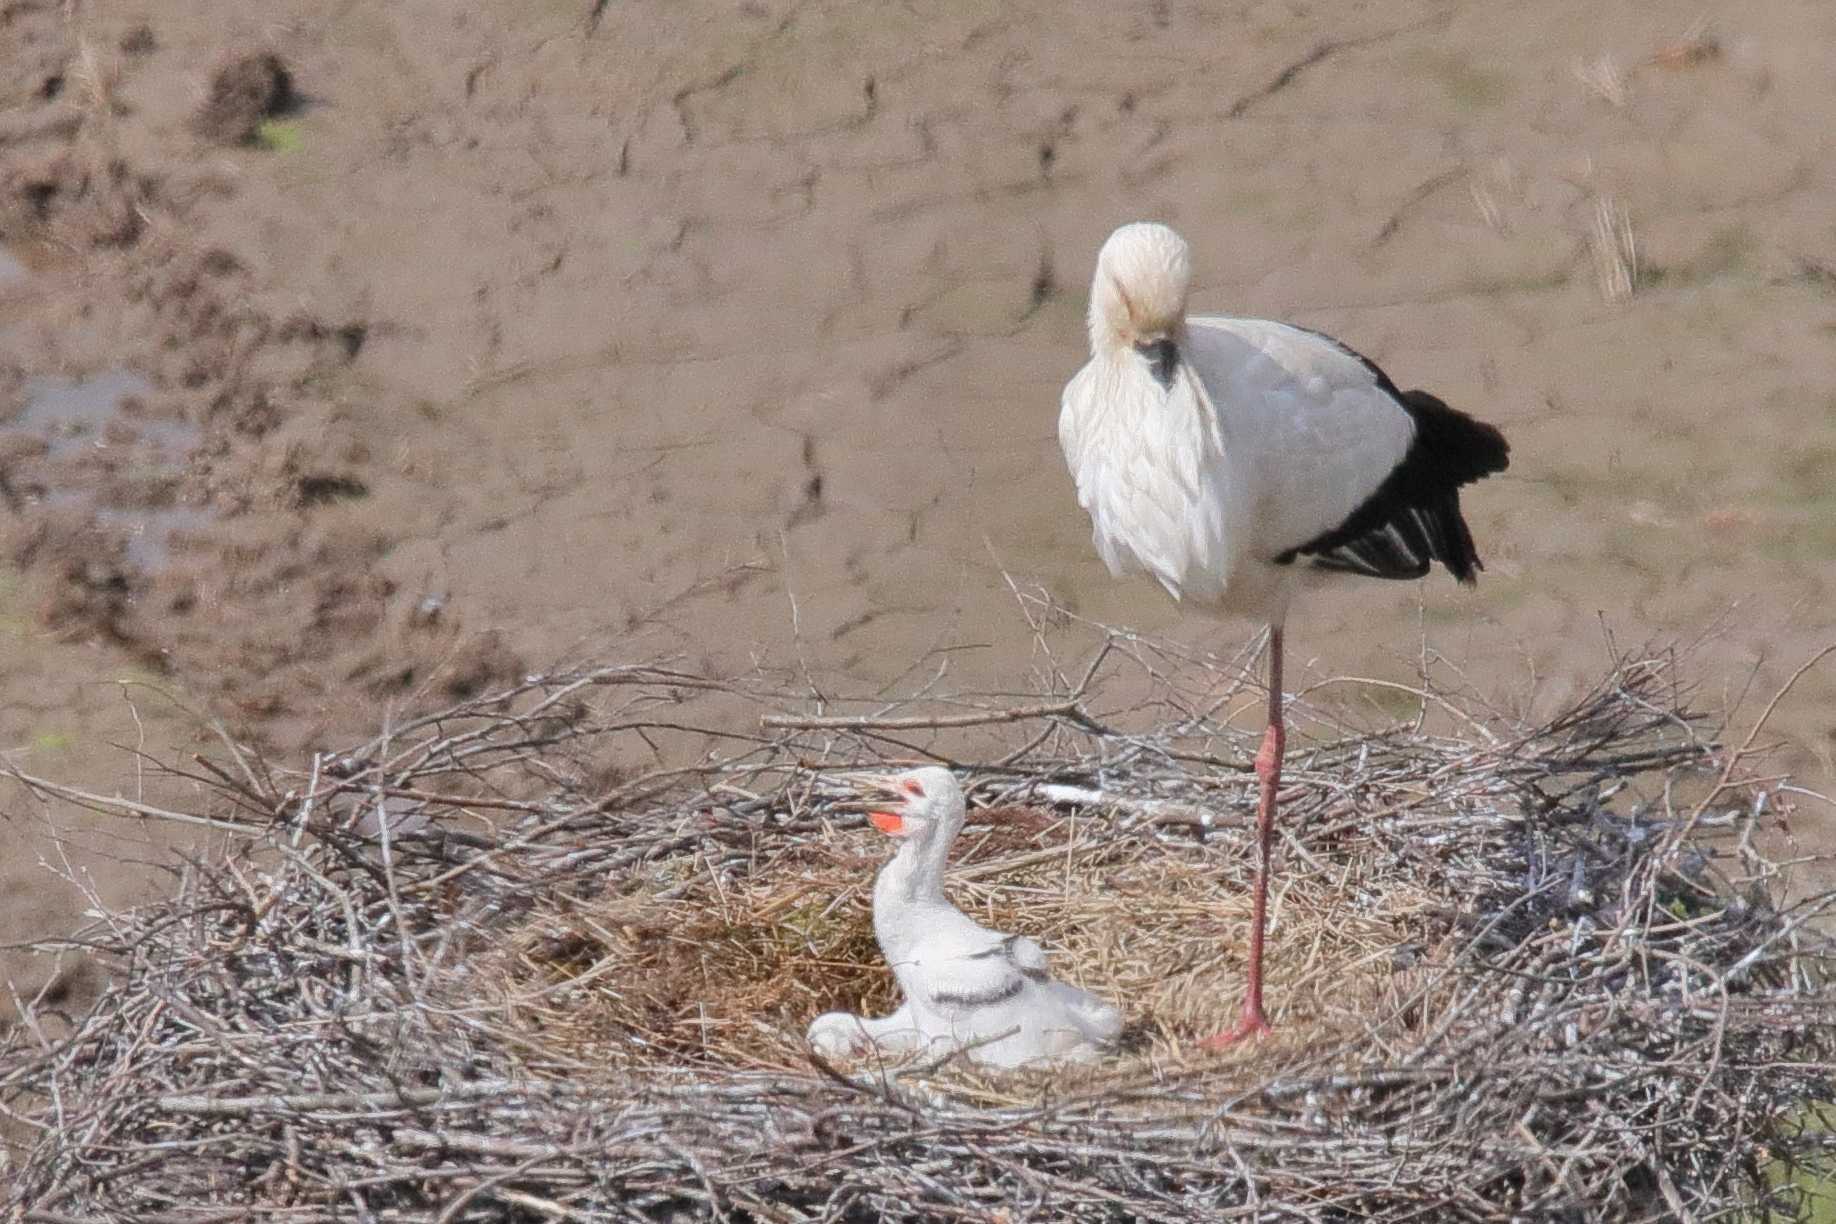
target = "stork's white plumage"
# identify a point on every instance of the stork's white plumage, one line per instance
(1225, 456)
(966, 987)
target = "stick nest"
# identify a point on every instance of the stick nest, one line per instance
(550, 955)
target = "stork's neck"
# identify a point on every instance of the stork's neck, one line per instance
(909, 886)
(915, 873)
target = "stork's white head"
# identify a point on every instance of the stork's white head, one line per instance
(917, 805)
(1138, 296)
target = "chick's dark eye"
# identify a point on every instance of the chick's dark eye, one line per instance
(912, 788)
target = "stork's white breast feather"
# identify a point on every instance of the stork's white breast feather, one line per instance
(1269, 437)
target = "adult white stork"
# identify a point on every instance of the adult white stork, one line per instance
(1223, 456)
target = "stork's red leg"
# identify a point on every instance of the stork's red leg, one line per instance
(1268, 772)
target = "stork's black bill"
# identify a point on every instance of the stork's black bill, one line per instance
(1413, 518)
(1162, 358)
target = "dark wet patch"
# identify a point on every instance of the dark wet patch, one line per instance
(149, 531)
(111, 463)
(315, 489)
(139, 40)
(74, 201)
(71, 414)
(484, 662)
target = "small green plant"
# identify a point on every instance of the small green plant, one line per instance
(279, 136)
(1467, 85)
(1728, 252)
(52, 741)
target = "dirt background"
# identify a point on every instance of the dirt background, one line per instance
(532, 332)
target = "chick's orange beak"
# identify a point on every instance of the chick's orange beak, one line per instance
(889, 823)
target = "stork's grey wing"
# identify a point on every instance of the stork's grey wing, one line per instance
(1413, 517)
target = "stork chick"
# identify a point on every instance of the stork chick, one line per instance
(965, 987)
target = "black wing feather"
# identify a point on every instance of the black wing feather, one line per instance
(1414, 519)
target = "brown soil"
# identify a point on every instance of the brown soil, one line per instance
(536, 332)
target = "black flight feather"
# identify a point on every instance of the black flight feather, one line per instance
(1413, 518)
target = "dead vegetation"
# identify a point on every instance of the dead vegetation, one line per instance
(245, 91)
(519, 961)
(1614, 250)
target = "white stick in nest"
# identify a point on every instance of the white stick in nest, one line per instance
(966, 987)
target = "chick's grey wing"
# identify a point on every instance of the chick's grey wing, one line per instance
(1022, 955)
(1028, 957)
(989, 975)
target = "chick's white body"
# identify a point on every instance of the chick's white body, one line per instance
(968, 986)
(965, 987)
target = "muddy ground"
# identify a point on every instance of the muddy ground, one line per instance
(357, 356)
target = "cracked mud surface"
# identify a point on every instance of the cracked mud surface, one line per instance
(540, 332)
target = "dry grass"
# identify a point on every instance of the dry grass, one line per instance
(473, 971)
(1698, 45)
(1614, 250)
(1605, 79)
(723, 971)
(1609, 80)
